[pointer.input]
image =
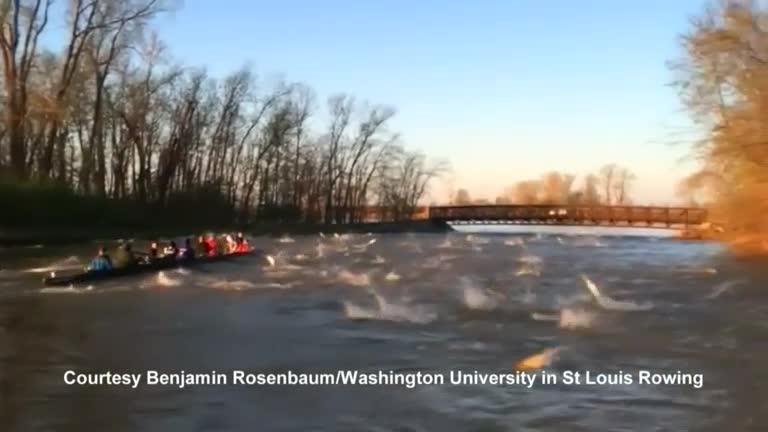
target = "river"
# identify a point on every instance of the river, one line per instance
(408, 304)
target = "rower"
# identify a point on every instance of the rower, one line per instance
(200, 246)
(153, 251)
(231, 245)
(242, 244)
(101, 263)
(149, 257)
(189, 251)
(172, 250)
(221, 245)
(123, 257)
(210, 246)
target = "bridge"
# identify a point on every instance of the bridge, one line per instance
(620, 216)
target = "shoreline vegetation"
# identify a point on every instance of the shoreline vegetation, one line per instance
(101, 129)
(720, 75)
(30, 237)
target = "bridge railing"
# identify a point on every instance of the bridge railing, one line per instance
(572, 214)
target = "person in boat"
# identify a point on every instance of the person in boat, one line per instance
(154, 251)
(221, 245)
(209, 245)
(231, 244)
(242, 244)
(200, 246)
(152, 255)
(172, 251)
(101, 263)
(189, 251)
(124, 257)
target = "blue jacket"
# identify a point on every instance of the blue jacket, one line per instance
(100, 264)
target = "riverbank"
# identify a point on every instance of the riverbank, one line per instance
(50, 236)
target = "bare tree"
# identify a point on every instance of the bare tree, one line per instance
(527, 192)
(109, 117)
(622, 185)
(462, 197)
(607, 176)
(23, 23)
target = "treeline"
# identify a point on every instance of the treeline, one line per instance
(611, 185)
(109, 117)
(722, 78)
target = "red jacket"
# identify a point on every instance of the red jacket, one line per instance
(210, 247)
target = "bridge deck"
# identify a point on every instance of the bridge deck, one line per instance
(643, 216)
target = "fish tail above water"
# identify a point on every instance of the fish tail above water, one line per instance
(608, 303)
(538, 361)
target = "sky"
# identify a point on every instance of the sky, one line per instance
(505, 90)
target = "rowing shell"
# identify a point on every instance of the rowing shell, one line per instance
(83, 277)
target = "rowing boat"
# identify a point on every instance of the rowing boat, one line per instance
(89, 276)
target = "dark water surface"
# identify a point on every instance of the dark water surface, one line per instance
(405, 303)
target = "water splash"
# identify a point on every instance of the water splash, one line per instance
(587, 242)
(697, 270)
(392, 277)
(530, 259)
(608, 303)
(538, 316)
(365, 246)
(514, 241)
(477, 240)
(722, 288)
(163, 280)
(286, 239)
(477, 298)
(576, 318)
(390, 311)
(68, 263)
(528, 270)
(67, 290)
(354, 279)
(236, 285)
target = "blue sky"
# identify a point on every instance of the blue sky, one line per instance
(505, 90)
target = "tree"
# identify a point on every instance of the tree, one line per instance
(23, 23)
(722, 78)
(606, 178)
(527, 192)
(108, 117)
(622, 185)
(555, 187)
(462, 197)
(590, 195)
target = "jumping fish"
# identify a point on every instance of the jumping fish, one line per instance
(537, 361)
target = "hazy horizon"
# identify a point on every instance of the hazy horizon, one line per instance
(504, 91)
